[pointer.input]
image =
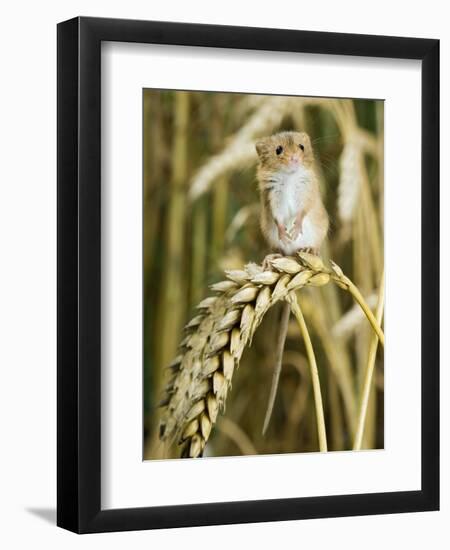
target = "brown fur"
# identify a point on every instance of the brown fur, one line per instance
(280, 183)
(292, 214)
(270, 162)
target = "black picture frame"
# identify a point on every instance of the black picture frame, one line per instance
(79, 275)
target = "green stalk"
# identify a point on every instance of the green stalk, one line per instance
(219, 218)
(220, 190)
(173, 301)
(198, 255)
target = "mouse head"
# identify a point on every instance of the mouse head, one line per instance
(285, 152)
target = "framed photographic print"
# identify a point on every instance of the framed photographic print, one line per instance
(248, 288)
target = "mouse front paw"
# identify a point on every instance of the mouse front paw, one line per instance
(296, 232)
(283, 235)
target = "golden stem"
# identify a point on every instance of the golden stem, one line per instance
(321, 430)
(359, 298)
(369, 370)
(172, 299)
(336, 355)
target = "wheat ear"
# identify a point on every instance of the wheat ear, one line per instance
(216, 338)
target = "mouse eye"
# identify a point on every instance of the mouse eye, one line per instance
(279, 150)
(302, 147)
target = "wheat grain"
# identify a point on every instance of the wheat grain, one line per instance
(215, 340)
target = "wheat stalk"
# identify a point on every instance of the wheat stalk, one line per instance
(216, 338)
(321, 430)
(369, 371)
(240, 149)
(350, 321)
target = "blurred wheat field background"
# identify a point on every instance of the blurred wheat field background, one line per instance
(201, 217)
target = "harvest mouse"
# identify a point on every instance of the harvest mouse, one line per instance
(292, 213)
(293, 217)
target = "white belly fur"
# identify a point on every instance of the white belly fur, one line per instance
(310, 237)
(285, 207)
(293, 187)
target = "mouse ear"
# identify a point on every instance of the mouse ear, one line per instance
(261, 146)
(305, 138)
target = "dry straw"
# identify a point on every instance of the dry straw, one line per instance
(369, 371)
(240, 150)
(351, 175)
(349, 323)
(216, 338)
